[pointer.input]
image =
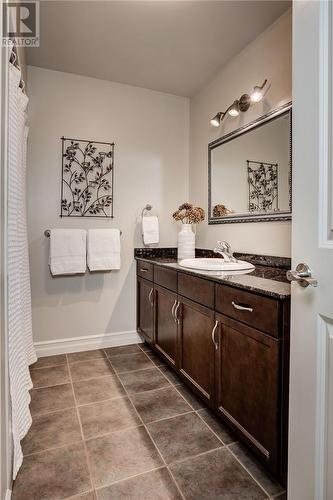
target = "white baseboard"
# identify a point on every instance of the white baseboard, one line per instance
(8, 495)
(88, 343)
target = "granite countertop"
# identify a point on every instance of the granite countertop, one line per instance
(268, 280)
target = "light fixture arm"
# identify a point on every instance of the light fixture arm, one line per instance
(263, 85)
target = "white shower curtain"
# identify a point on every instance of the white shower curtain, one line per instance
(21, 351)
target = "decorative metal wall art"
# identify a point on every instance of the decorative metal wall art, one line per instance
(263, 186)
(87, 178)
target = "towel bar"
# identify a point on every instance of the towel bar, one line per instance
(47, 233)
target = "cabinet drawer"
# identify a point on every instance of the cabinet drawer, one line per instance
(165, 277)
(197, 289)
(145, 270)
(254, 310)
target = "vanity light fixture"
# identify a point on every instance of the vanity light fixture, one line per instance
(216, 120)
(257, 93)
(234, 108)
(242, 104)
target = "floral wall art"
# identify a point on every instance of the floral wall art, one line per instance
(263, 186)
(87, 178)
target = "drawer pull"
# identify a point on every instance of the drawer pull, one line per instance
(176, 313)
(144, 270)
(150, 295)
(241, 308)
(213, 335)
(173, 310)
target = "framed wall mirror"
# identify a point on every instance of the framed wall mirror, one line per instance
(250, 171)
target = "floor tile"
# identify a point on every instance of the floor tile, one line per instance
(107, 416)
(84, 496)
(145, 347)
(163, 403)
(170, 375)
(156, 359)
(155, 485)
(46, 377)
(53, 474)
(85, 355)
(131, 362)
(215, 475)
(52, 430)
(124, 349)
(190, 397)
(181, 437)
(120, 455)
(47, 361)
(98, 389)
(143, 380)
(256, 469)
(53, 398)
(90, 369)
(217, 426)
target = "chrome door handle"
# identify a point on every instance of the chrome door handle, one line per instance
(149, 297)
(242, 308)
(173, 310)
(176, 313)
(302, 276)
(213, 335)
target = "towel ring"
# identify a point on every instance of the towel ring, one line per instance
(146, 208)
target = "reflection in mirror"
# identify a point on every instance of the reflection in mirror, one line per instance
(250, 172)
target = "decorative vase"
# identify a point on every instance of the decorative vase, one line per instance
(186, 242)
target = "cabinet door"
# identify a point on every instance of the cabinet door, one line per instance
(248, 386)
(166, 324)
(196, 348)
(145, 309)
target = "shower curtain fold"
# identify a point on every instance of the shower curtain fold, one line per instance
(21, 351)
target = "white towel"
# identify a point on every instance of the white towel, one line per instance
(67, 251)
(103, 249)
(150, 230)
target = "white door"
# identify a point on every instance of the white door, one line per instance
(311, 371)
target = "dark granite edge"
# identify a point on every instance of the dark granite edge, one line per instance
(258, 260)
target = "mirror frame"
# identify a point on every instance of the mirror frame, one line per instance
(228, 219)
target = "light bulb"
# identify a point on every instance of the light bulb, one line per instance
(256, 95)
(216, 120)
(234, 109)
(258, 92)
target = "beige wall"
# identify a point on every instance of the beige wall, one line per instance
(151, 133)
(269, 56)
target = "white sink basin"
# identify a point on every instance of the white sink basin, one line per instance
(213, 264)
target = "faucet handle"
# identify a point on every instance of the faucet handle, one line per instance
(224, 245)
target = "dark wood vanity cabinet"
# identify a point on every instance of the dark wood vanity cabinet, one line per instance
(196, 350)
(247, 385)
(166, 325)
(231, 346)
(145, 309)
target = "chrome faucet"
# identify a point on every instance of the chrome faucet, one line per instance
(224, 249)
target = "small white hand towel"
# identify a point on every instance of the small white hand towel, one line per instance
(67, 251)
(103, 249)
(150, 230)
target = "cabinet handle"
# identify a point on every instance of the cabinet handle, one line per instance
(173, 310)
(143, 270)
(213, 335)
(150, 295)
(176, 313)
(242, 308)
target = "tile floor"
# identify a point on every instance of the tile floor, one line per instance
(119, 424)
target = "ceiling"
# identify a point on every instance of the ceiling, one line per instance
(170, 46)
